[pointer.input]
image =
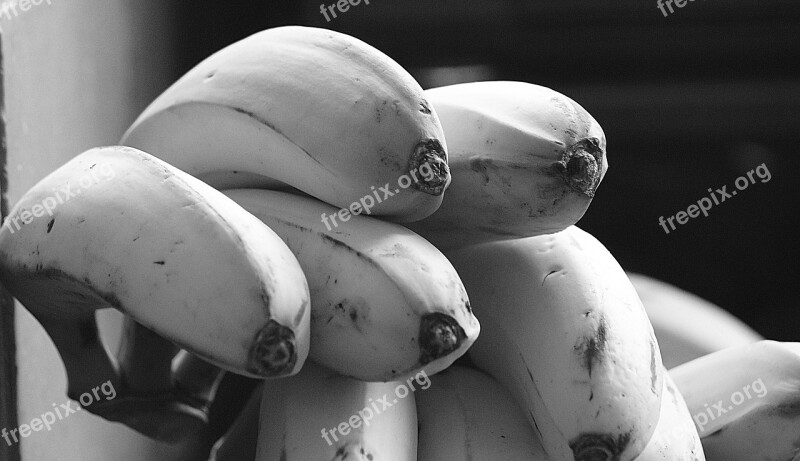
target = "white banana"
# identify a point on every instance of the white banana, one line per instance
(116, 227)
(525, 160)
(384, 302)
(321, 415)
(563, 330)
(745, 401)
(465, 415)
(686, 326)
(312, 108)
(675, 437)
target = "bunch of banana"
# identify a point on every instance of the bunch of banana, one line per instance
(234, 241)
(686, 326)
(745, 401)
(525, 160)
(565, 332)
(116, 227)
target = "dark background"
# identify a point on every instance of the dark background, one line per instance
(688, 102)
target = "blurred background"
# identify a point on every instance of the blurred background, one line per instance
(688, 101)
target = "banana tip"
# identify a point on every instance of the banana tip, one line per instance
(599, 447)
(582, 166)
(273, 352)
(428, 166)
(439, 336)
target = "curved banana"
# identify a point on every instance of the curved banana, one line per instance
(465, 415)
(384, 302)
(686, 326)
(745, 401)
(312, 108)
(321, 415)
(525, 160)
(675, 437)
(116, 227)
(563, 330)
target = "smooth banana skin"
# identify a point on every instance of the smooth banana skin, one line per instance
(385, 303)
(240, 441)
(563, 330)
(312, 108)
(745, 401)
(686, 326)
(465, 415)
(525, 160)
(319, 415)
(131, 232)
(675, 437)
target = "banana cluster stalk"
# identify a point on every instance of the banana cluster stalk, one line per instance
(525, 160)
(385, 303)
(311, 108)
(745, 401)
(686, 326)
(116, 227)
(563, 330)
(675, 437)
(465, 415)
(321, 415)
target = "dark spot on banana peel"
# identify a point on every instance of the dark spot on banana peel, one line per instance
(439, 335)
(599, 447)
(424, 107)
(581, 166)
(50, 225)
(430, 152)
(593, 348)
(273, 352)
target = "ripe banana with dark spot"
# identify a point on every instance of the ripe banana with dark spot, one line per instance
(745, 401)
(525, 160)
(116, 227)
(321, 415)
(385, 303)
(563, 330)
(311, 108)
(686, 326)
(465, 415)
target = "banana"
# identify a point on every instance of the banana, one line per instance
(686, 326)
(384, 302)
(116, 227)
(465, 415)
(321, 415)
(525, 160)
(240, 441)
(675, 437)
(312, 108)
(563, 330)
(745, 401)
